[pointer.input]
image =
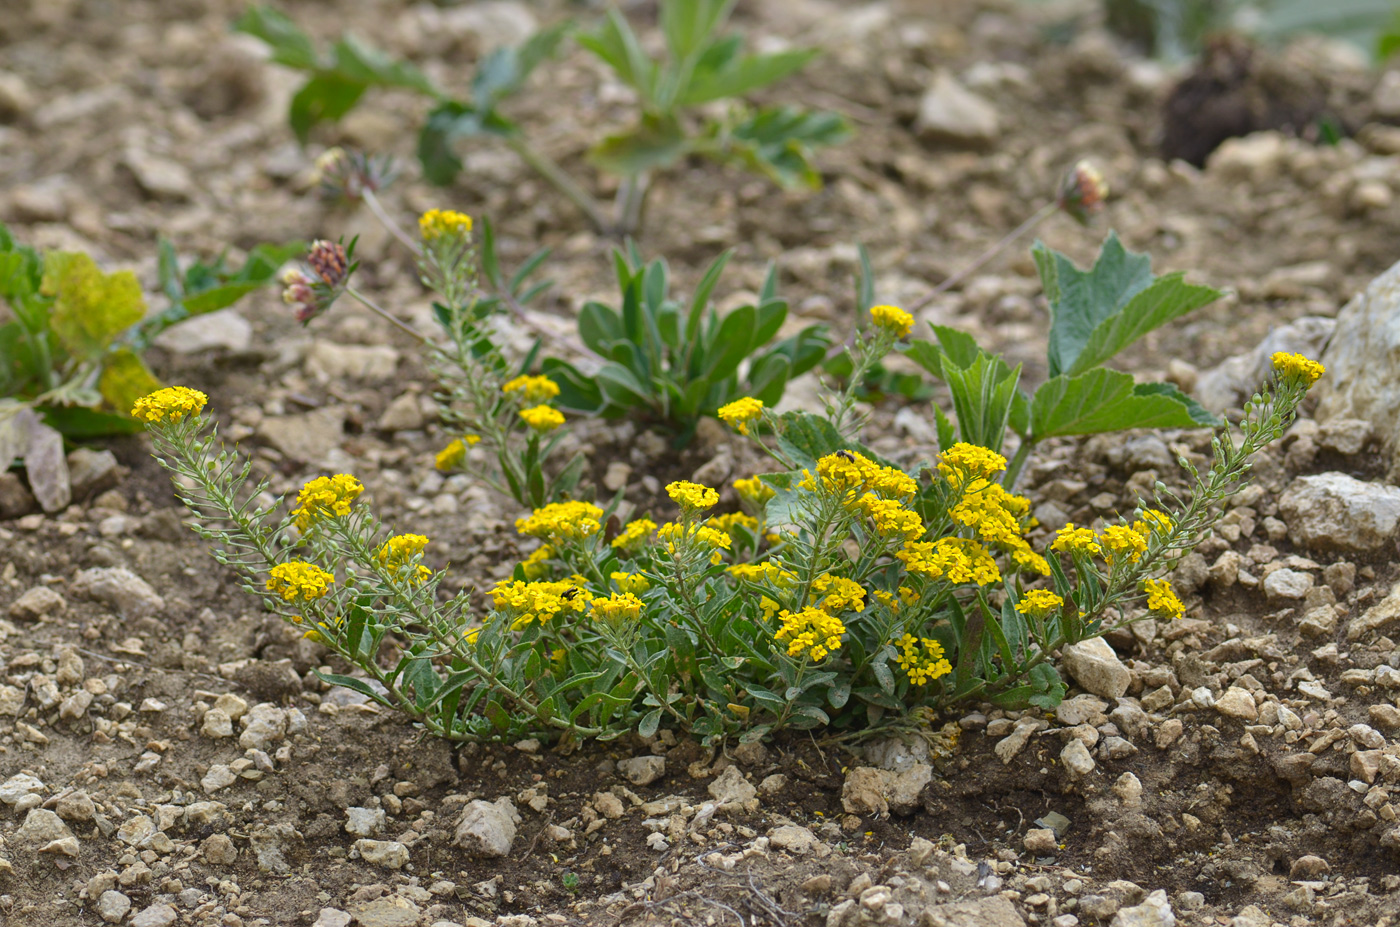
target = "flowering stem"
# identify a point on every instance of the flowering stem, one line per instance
(393, 227)
(384, 314)
(1039, 216)
(552, 172)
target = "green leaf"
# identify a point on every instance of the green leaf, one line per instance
(1107, 400)
(655, 142)
(90, 308)
(1080, 300)
(738, 76)
(730, 344)
(616, 45)
(982, 384)
(449, 122)
(779, 141)
(353, 684)
(125, 378)
(80, 422)
(356, 60)
(1168, 298)
(701, 300)
(688, 24)
(649, 723)
(505, 70)
(325, 98)
(290, 46)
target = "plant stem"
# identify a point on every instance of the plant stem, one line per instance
(384, 314)
(630, 198)
(552, 172)
(393, 227)
(1018, 460)
(1036, 218)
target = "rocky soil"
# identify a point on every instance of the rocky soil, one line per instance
(167, 755)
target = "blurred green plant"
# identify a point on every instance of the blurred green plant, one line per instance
(71, 352)
(674, 364)
(676, 98)
(1094, 315)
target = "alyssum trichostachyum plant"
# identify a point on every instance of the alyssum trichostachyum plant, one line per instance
(847, 594)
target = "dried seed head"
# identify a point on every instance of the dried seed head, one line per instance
(329, 262)
(349, 175)
(1083, 191)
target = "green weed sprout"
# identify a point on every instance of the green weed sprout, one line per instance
(678, 98)
(1094, 315)
(674, 363)
(849, 596)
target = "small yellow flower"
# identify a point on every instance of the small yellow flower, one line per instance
(1162, 599)
(618, 608)
(634, 583)
(399, 551)
(963, 462)
(1039, 602)
(562, 521)
(754, 491)
(892, 319)
(435, 223)
(1077, 541)
(1298, 368)
(299, 582)
(542, 418)
(534, 389)
(692, 497)
(810, 632)
(730, 520)
(451, 457)
(739, 413)
(534, 566)
(1153, 521)
(922, 659)
(957, 560)
(326, 497)
(170, 404)
(635, 534)
(1120, 541)
(841, 594)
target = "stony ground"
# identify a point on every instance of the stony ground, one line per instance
(167, 755)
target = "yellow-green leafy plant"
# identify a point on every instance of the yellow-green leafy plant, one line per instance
(847, 594)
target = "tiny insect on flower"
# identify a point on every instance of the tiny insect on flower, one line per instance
(1297, 368)
(739, 413)
(171, 404)
(542, 418)
(892, 319)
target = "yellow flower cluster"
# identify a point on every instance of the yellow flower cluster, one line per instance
(1039, 602)
(534, 566)
(326, 497)
(740, 412)
(635, 583)
(1077, 541)
(562, 521)
(891, 519)
(701, 535)
(922, 659)
(399, 551)
(692, 497)
(524, 603)
(992, 511)
(616, 609)
(892, 319)
(810, 632)
(754, 491)
(1121, 542)
(1153, 520)
(435, 223)
(635, 534)
(299, 582)
(851, 475)
(1297, 367)
(963, 462)
(728, 521)
(542, 418)
(170, 404)
(534, 389)
(957, 560)
(767, 570)
(841, 594)
(1162, 599)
